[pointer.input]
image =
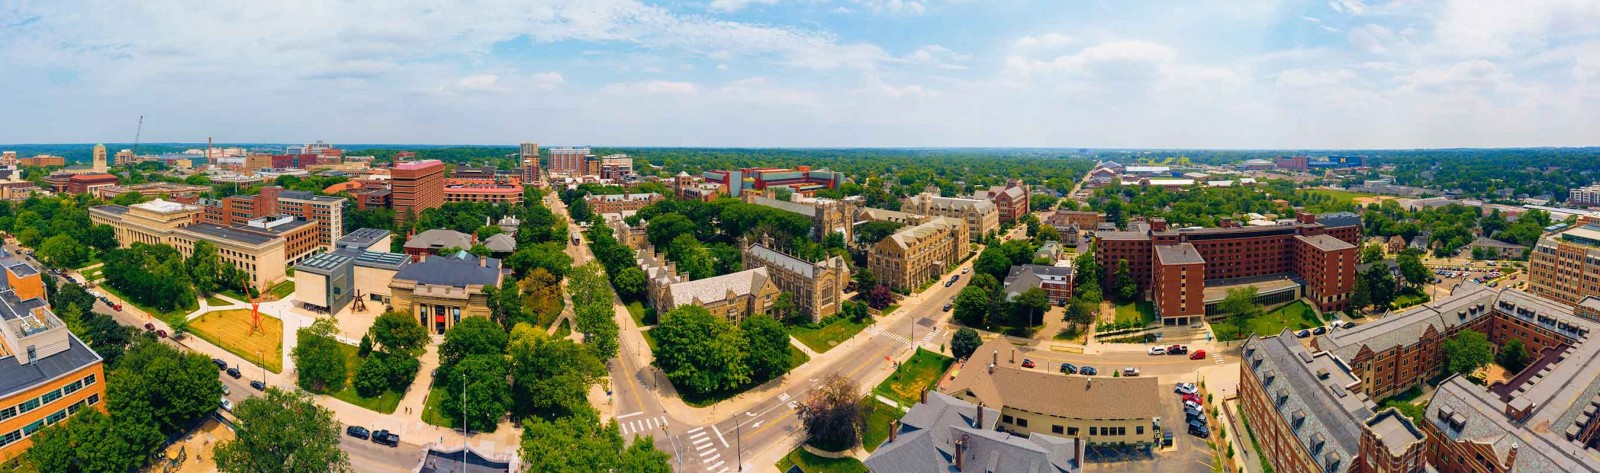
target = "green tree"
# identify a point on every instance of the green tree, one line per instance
(1127, 289)
(63, 251)
(1412, 269)
(972, 306)
(701, 352)
(580, 443)
(487, 394)
(472, 336)
(870, 233)
(784, 307)
(855, 311)
(205, 268)
(282, 431)
(541, 296)
(592, 299)
(319, 361)
(1241, 307)
(156, 382)
(397, 332)
(102, 237)
(1031, 304)
(1371, 253)
(1380, 285)
(1513, 356)
(768, 355)
(372, 376)
(993, 262)
(985, 281)
(1467, 351)
(630, 283)
(833, 418)
(94, 442)
(691, 256)
(964, 343)
(864, 279)
(551, 376)
(505, 302)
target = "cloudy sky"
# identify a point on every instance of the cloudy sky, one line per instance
(1223, 74)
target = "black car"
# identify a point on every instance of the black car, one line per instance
(358, 432)
(1192, 413)
(260, 386)
(233, 373)
(1302, 334)
(1319, 330)
(946, 307)
(221, 365)
(1199, 430)
(385, 437)
(1068, 368)
(1088, 371)
(1196, 418)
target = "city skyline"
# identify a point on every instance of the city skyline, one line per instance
(824, 73)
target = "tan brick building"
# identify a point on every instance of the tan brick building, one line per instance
(618, 203)
(919, 254)
(818, 287)
(263, 249)
(731, 296)
(1565, 266)
(439, 290)
(981, 216)
(1101, 411)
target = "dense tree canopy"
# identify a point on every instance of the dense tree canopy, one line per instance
(283, 431)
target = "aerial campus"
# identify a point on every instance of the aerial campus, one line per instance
(822, 236)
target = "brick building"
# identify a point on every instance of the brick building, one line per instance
(731, 296)
(1056, 281)
(818, 287)
(802, 179)
(618, 203)
(416, 186)
(326, 212)
(42, 160)
(1010, 199)
(1565, 266)
(918, 254)
(982, 216)
(569, 161)
(82, 183)
(827, 216)
(1172, 266)
(494, 194)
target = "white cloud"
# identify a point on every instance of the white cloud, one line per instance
(900, 7)
(479, 83)
(937, 56)
(1371, 38)
(654, 87)
(1480, 28)
(729, 6)
(547, 80)
(1045, 41)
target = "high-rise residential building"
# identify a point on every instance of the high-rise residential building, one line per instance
(530, 163)
(1586, 196)
(126, 157)
(46, 373)
(416, 186)
(569, 161)
(43, 160)
(616, 167)
(99, 158)
(1565, 266)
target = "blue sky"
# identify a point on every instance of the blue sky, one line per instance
(1212, 74)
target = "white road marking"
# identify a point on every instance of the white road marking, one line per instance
(718, 465)
(624, 416)
(700, 436)
(783, 396)
(719, 436)
(708, 453)
(702, 443)
(697, 430)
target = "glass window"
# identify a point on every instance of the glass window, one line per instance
(8, 412)
(30, 429)
(52, 396)
(94, 399)
(10, 437)
(28, 405)
(56, 417)
(88, 380)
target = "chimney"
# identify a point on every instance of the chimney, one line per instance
(1305, 217)
(1013, 356)
(924, 395)
(980, 414)
(894, 429)
(1511, 457)
(1077, 452)
(960, 452)
(1158, 224)
(483, 261)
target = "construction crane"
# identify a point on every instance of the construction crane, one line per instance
(136, 132)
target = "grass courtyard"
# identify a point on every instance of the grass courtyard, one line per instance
(433, 414)
(642, 316)
(918, 373)
(230, 329)
(879, 416)
(385, 403)
(815, 464)
(830, 334)
(166, 316)
(1140, 311)
(1295, 316)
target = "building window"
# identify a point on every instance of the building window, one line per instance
(1006, 418)
(1056, 429)
(1022, 422)
(1094, 431)
(28, 405)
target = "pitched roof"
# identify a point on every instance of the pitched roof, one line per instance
(712, 289)
(1075, 397)
(501, 243)
(792, 264)
(1028, 276)
(1312, 391)
(908, 236)
(454, 271)
(439, 238)
(926, 442)
(1469, 302)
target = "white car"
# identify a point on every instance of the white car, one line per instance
(966, 270)
(1158, 350)
(1191, 405)
(1185, 388)
(227, 405)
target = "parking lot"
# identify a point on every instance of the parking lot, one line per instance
(1188, 453)
(1447, 277)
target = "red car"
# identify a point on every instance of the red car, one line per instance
(1198, 355)
(116, 307)
(1027, 363)
(161, 333)
(150, 327)
(1193, 398)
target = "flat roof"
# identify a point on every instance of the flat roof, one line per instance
(1217, 289)
(323, 263)
(1182, 253)
(363, 237)
(1074, 397)
(16, 377)
(226, 233)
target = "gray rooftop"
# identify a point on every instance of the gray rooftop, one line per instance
(1028, 276)
(363, 238)
(1480, 418)
(716, 288)
(501, 243)
(1469, 302)
(785, 205)
(1311, 390)
(1325, 242)
(1182, 253)
(438, 239)
(15, 377)
(1339, 219)
(379, 259)
(323, 263)
(792, 264)
(230, 234)
(453, 271)
(927, 435)
(304, 195)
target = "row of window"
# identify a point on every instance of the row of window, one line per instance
(1073, 431)
(46, 398)
(28, 430)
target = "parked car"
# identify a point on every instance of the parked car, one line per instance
(1192, 413)
(1199, 430)
(948, 283)
(1130, 371)
(385, 437)
(221, 365)
(1027, 363)
(1088, 371)
(1319, 330)
(148, 327)
(1158, 350)
(1191, 405)
(1185, 388)
(966, 270)
(258, 385)
(233, 373)
(226, 391)
(1302, 334)
(1067, 368)
(358, 432)
(946, 307)
(1349, 325)
(161, 333)
(1198, 355)
(1177, 350)
(227, 405)
(116, 307)
(1194, 398)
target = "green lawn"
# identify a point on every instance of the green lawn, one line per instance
(281, 291)
(879, 416)
(385, 403)
(905, 386)
(1341, 195)
(230, 330)
(888, 310)
(643, 316)
(433, 414)
(815, 464)
(1294, 316)
(168, 317)
(832, 333)
(1142, 311)
(564, 329)
(235, 295)
(1409, 297)
(797, 358)
(215, 301)
(649, 340)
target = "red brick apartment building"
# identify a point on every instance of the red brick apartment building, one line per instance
(491, 193)
(1172, 266)
(1011, 199)
(1304, 407)
(325, 211)
(803, 179)
(416, 186)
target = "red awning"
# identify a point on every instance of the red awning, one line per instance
(438, 318)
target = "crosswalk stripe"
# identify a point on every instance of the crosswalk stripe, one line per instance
(708, 453)
(716, 466)
(698, 444)
(700, 429)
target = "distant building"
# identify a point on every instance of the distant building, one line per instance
(802, 179)
(1012, 200)
(1565, 265)
(981, 215)
(828, 216)
(942, 433)
(1056, 281)
(99, 164)
(569, 161)
(43, 160)
(489, 193)
(417, 186)
(1588, 196)
(1500, 249)
(150, 189)
(261, 248)
(618, 203)
(437, 241)
(531, 175)
(81, 183)
(126, 157)
(327, 212)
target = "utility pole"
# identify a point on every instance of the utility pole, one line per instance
(738, 442)
(464, 422)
